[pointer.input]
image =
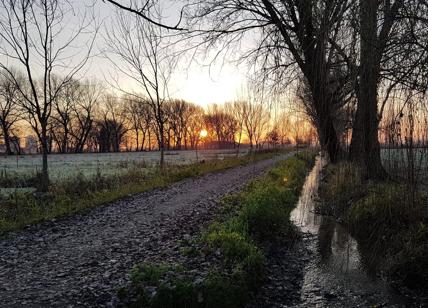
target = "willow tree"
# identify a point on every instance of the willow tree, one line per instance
(391, 55)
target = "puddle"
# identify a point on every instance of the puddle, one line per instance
(337, 274)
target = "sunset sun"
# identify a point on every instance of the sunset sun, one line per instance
(203, 133)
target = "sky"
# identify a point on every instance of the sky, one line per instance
(198, 82)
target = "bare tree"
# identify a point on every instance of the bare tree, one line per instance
(251, 114)
(37, 36)
(141, 48)
(221, 125)
(238, 108)
(110, 127)
(132, 113)
(195, 125)
(146, 123)
(180, 113)
(272, 137)
(10, 112)
(83, 113)
(62, 116)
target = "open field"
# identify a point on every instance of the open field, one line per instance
(397, 162)
(63, 166)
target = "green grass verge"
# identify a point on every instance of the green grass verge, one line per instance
(382, 218)
(234, 245)
(22, 208)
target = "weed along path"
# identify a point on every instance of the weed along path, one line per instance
(81, 261)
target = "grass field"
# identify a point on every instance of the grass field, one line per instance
(64, 166)
(396, 162)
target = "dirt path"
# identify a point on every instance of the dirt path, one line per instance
(82, 260)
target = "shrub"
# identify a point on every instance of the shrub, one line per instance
(266, 211)
(237, 249)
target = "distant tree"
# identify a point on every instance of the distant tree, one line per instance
(110, 127)
(133, 116)
(179, 112)
(273, 137)
(62, 116)
(195, 125)
(214, 121)
(10, 111)
(84, 114)
(221, 125)
(147, 123)
(238, 109)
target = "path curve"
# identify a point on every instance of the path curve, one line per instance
(81, 261)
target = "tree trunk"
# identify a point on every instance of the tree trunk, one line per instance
(150, 140)
(162, 145)
(7, 140)
(316, 72)
(328, 136)
(143, 141)
(365, 147)
(137, 136)
(44, 180)
(64, 147)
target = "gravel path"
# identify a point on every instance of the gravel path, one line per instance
(82, 260)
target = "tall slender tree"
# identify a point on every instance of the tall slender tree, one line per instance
(140, 47)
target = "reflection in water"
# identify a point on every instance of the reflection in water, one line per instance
(335, 276)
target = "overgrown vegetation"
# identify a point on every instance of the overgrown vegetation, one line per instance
(233, 246)
(387, 220)
(21, 207)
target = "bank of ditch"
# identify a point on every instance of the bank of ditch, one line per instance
(78, 193)
(225, 264)
(389, 221)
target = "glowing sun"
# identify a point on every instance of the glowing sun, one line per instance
(203, 133)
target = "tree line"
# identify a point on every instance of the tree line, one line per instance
(85, 118)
